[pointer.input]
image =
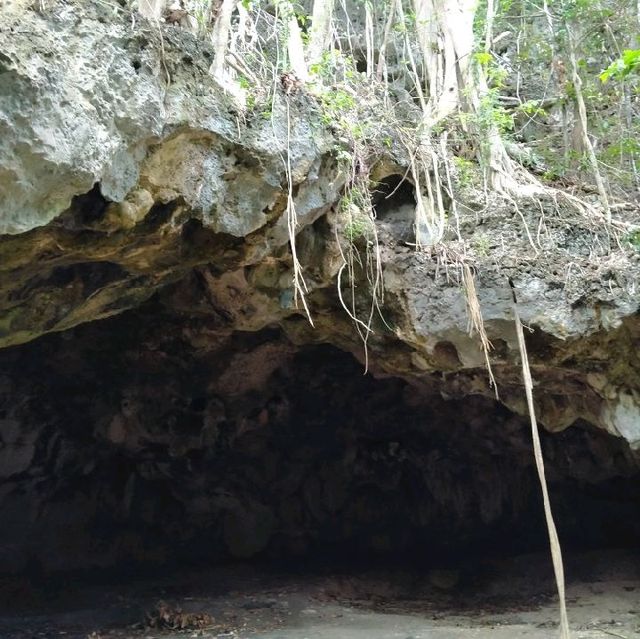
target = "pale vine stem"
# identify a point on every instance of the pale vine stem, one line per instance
(556, 551)
(299, 285)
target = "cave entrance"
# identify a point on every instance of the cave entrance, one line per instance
(136, 450)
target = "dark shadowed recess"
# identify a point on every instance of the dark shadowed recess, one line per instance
(148, 440)
(391, 193)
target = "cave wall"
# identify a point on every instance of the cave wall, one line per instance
(149, 439)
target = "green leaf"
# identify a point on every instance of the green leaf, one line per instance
(482, 58)
(623, 66)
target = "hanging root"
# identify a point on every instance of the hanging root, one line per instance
(476, 323)
(556, 552)
(299, 285)
(357, 199)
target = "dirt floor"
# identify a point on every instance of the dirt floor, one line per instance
(482, 599)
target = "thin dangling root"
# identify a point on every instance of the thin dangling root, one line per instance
(556, 552)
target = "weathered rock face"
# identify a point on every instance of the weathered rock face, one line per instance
(209, 413)
(139, 164)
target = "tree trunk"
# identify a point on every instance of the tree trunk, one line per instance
(295, 49)
(368, 35)
(320, 29)
(381, 66)
(220, 38)
(445, 37)
(151, 9)
(583, 121)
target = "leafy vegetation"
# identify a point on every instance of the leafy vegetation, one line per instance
(623, 66)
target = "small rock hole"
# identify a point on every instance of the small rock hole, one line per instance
(500, 348)
(446, 355)
(392, 193)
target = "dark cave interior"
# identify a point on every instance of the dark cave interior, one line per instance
(148, 441)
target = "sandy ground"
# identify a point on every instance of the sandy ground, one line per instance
(489, 599)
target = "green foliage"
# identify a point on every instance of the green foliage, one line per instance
(531, 108)
(465, 170)
(623, 66)
(480, 20)
(337, 107)
(343, 154)
(496, 76)
(334, 66)
(338, 101)
(341, 90)
(582, 10)
(481, 244)
(625, 146)
(357, 227)
(633, 239)
(483, 58)
(409, 23)
(550, 175)
(355, 216)
(202, 14)
(490, 114)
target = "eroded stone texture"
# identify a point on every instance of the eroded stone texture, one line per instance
(71, 116)
(175, 179)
